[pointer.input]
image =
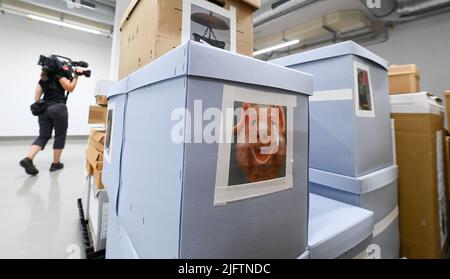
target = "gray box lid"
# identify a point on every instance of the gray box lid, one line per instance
(335, 227)
(361, 185)
(196, 59)
(119, 87)
(345, 48)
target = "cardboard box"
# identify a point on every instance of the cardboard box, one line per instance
(418, 141)
(151, 28)
(97, 139)
(94, 157)
(101, 100)
(98, 179)
(404, 79)
(447, 165)
(447, 175)
(89, 168)
(244, 43)
(97, 115)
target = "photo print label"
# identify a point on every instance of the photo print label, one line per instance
(209, 24)
(256, 157)
(364, 104)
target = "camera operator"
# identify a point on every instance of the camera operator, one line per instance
(53, 87)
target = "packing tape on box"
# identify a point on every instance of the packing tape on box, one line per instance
(385, 223)
(332, 95)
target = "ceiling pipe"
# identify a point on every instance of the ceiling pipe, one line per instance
(278, 9)
(107, 3)
(405, 19)
(397, 10)
(422, 7)
(390, 13)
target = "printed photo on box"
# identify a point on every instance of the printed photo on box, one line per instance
(208, 22)
(255, 155)
(264, 158)
(364, 90)
(210, 28)
(363, 87)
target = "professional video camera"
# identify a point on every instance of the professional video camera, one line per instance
(59, 64)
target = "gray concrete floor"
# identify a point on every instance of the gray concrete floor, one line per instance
(38, 215)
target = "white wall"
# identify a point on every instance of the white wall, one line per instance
(426, 43)
(121, 7)
(21, 43)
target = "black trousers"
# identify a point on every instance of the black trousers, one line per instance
(56, 117)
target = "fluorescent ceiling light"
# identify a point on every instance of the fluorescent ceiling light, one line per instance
(64, 24)
(78, 4)
(272, 48)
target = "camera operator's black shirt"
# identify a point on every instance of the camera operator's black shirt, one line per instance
(53, 90)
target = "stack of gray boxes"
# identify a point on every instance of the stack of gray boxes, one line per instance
(338, 230)
(169, 198)
(351, 149)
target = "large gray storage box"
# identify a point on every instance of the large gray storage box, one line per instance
(350, 115)
(178, 199)
(376, 192)
(118, 243)
(338, 230)
(114, 127)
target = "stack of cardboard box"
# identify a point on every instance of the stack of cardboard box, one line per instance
(404, 79)
(151, 28)
(94, 156)
(97, 114)
(96, 142)
(95, 201)
(419, 133)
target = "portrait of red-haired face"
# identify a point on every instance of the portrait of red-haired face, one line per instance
(364, 90)
(259, 149)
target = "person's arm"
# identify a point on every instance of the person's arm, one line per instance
(68, 85)
(38, 93)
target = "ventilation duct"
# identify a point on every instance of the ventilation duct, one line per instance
(404, 10)
(278, 9)
(311, 29)
(327, 27)
(346, 21)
